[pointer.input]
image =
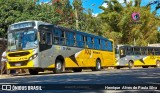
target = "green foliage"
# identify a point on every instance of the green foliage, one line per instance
(118, 23)
(115, 22)
(12, 11)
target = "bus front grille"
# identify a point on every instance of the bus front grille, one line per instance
(18, 54)
(19, 63)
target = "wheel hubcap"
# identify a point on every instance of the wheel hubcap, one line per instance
(130, 64)
(158, 64)
(98, 65)
(59, 66)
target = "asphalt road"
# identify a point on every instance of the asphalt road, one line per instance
(138, 76)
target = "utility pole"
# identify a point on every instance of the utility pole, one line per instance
(77, 23)
(134, 42)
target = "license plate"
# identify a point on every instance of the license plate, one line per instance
(17, 64)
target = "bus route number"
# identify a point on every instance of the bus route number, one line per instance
(152, 57)
(88, 51)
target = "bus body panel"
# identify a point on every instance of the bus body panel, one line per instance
(145, 56)
(138, 61)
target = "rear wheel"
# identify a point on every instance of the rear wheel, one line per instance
(33, 71)
(145, 66)
(157, 63)
(98, 65)
(58, 66)
(130, 64)
(118, 67)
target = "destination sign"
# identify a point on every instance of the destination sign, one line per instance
(21, 25)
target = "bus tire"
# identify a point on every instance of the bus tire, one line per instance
(130, 64)
(145, 66)
(98, 65)
(58, 66)
(77, 69)
(118, 67)
(157, 63)
(33, 72)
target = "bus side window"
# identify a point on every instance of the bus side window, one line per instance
(99, 43)
(142, 51)
(109, 45)
(150, 51)
(106, 45)
(89, 42)
(92, 42)
(43, 38)
(157, 51)
(62, 38)
(153, 52)
(49, 38)
(59, 36)
(103, 44)
(70, 38)
(137, 51)
(128, 52)
(56, 35)
(96, 43)
(116, 51)
(46, 38)
(80, 40)
(45, 34)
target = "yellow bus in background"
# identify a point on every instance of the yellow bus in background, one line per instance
(36, 46)
(137, 56)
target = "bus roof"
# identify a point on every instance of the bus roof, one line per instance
(80, 32)
(30, 21)
(125, 46)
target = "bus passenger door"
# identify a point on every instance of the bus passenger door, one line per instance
(122, 52)
(45, 46)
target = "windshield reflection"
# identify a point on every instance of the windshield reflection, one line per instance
(22, 40)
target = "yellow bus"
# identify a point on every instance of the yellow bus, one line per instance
(37, 46)
(137, 56)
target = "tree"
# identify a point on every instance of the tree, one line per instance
(12, 11)
(118, 23)
(77, 4)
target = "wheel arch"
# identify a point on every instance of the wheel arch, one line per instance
(61, 58)
(131, 61)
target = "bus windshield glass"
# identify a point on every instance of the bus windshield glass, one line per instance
(22, 40)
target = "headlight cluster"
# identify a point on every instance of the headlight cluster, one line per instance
(33, 56)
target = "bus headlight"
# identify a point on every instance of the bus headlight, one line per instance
(33, 56)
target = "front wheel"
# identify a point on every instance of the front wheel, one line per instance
(33, 72)
(77, 69)
(130, 64)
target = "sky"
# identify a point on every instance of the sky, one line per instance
(94, 4)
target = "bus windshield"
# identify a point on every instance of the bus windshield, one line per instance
(22, 40)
